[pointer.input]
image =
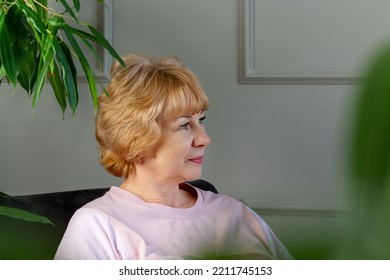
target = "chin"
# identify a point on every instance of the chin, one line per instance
(193, 176)
(191, 173)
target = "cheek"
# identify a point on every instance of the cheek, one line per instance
(178, 154)
(170, 153)
(180, 148)
(175, 150)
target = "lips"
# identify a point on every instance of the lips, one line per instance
(197, 160)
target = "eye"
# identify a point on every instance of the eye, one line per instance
(185, 126)
(202, 119)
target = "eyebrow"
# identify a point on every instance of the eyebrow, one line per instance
(190, 116)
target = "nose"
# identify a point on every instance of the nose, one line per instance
(201, 138)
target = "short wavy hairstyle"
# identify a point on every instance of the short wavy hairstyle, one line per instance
(141, 96)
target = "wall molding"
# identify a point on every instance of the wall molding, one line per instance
(300, 212)
(298, 208)
(249, 73)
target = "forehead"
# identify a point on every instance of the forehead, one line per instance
(184, 104)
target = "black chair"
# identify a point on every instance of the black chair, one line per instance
(29, 240)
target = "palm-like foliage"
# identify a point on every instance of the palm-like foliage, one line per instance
(37, 43)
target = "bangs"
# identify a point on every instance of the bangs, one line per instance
(183, 100)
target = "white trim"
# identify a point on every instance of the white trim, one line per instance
(296, 208)
(249, 74)
(300, 212)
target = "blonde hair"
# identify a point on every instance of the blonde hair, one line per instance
(142, 96)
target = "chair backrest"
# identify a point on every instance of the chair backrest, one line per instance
(26, 240)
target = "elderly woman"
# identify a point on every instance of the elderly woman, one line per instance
(150, 129)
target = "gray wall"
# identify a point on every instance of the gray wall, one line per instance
(279, 147)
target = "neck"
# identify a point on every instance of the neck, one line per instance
(172, 195)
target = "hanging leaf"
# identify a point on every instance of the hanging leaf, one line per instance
(31, 5)
(57, 85)
(3, 194)
(103, 41)
(28, 64)
(76, 4)
(73, 96)
(84, 63)
(85, 41)
(28, 56)
(6, 53)
(24, 81)
(32, 18)
(46, 56)
(13, 18)
(23, 45)
(70, 10)
(69, 72)
(84, 34)
(2, 72)
(41, 9)
(23, 215)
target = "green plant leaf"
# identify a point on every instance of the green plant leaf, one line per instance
(69, 72)
(31, 59)
(6, 53)
(370, 158)
(22, 45)
(32, 18)
(84, 63)
(28, 64)
(58, 86)
(69, 10)
(76, 4)
(13, 18)
(84, 34)
(2, 72)
(43, 68)
(90, 47)
(23, 215)
(3, 194)
(24, 81)
(30, 4)
(103, 41)
(41, 9)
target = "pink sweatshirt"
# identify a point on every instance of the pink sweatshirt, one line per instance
(120, 225)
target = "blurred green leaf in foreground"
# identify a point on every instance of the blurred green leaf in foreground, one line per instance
(368, 236)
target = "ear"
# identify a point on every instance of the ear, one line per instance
(140, 160)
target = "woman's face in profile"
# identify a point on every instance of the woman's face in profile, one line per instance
(180, 153)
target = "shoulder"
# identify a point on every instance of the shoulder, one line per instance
(109, 200)
(217, 203)
(211, 197)
(233, 209)
(97, 210)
